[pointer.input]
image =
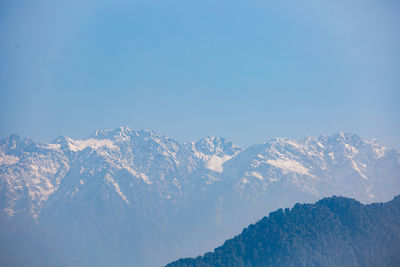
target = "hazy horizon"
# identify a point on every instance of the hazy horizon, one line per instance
(245, 71)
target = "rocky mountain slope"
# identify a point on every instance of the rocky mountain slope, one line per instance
(123, 197)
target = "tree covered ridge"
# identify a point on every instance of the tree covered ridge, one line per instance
(334, 231)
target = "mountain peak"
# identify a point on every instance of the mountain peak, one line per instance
(212, 144)
(346, 137)
(121, 133)
(155, 182)
(10, 140)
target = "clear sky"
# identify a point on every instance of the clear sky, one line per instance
(246, 70)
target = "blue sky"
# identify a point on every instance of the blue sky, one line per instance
(246, 70)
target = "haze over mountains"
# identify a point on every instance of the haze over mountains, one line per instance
(125, 197)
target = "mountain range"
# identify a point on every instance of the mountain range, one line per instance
(138, 198)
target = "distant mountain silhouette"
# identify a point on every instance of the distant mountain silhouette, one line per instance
(335, 231)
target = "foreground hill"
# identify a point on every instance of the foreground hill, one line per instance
(334, 231)
(123, 197)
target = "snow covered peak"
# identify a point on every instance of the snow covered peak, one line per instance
(118, 134)
(63, 141)
(351, 145)
(9, 142)
(341, 138)
(11, 138)
(14, 144)
(151, 159)
(337, 146)
(127, 135)
(283, 143)
(341, 162)
(142, 178)
(216, 145)
(213, 152)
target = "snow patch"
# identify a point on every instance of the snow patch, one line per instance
(355, 167)
(111, 181)
(257, 175)
(8, 160)
(292, 143)
(142, 176)
(215, 163)
(52, 146)
(379, 152)
(289, 165)
(79, 145)
(351, 149)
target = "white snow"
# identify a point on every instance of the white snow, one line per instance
(41, 171)
(351, 149)
(145, 178)
(142, 176)
(319, 144)
(294, 144)
(8, 160)
(288, 165)
(357, 169)
(379, 151)
(111, 181)
(257, 175)
(215, 162)
(52, 146)
(255, 163)
(78, 145)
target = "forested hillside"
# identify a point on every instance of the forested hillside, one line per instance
(334, 231)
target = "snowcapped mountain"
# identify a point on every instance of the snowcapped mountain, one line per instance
(340, 164)
(126, 197)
